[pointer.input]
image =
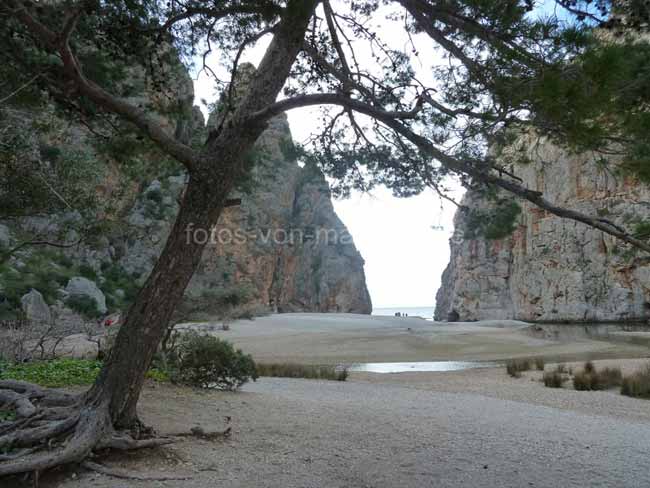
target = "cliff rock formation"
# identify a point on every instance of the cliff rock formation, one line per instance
(296, 255)
(284, 246)
(552, 269)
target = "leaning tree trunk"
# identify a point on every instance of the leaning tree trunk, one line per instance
(122, 376)
(54, 428)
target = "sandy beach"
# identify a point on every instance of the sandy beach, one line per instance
(349, 338)
(471, 428)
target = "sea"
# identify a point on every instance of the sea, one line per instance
(425, 312)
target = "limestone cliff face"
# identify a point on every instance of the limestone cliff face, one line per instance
(285, 240)
(284, 243)
(552, 269)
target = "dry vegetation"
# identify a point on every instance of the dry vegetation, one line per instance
(292, 370)
(637, 384)
(591, 379)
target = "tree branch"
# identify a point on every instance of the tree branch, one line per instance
(331, 99)
(59, 44)
(475, 169)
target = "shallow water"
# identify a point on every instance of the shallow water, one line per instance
(428, 366)
(625, 333)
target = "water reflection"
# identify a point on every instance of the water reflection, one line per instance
(428, 366)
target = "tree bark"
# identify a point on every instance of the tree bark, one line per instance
(122, 377)
(103, 416)
(212, 179)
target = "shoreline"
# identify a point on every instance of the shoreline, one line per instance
(334, 339)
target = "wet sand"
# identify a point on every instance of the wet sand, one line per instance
(349, 338)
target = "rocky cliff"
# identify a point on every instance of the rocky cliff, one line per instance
(552, 269)
(116, 197)
(284, 247)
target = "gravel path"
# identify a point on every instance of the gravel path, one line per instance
(301, 433)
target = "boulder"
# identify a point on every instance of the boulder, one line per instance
(35, 308)
(79, 286)
(76, 346)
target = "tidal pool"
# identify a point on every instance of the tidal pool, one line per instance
(428, 366)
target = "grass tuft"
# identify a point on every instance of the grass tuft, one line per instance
(555, 378)
(637, 384)
(293, 370)
(590, 379)
(514, 367)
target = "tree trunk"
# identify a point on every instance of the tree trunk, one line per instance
(75, 426)
(223, 163)
(122, 376)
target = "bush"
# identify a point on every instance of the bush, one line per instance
(155, 195)
(539, 364)
(514, 367)
(637, 384)
(86, 306)
(209, 362)
(590, 379)
(88, 272)
(116, 278)
(292, 370)
(40, 272)
(158, 374)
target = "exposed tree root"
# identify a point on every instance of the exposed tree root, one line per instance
(53, 428)
(128, 475)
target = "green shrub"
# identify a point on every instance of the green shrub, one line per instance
(642, 230)
(86, 306)
(157, 374)
(496, 223)
(7, 416)
(637, 384)
(55, 373)
(116, 278)
(88, 272)
(590, 379)
(292, 370)
(155, 195)
(209, 362)
(539, 364)
(514, 367)
(65, 261)
(41, 272)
